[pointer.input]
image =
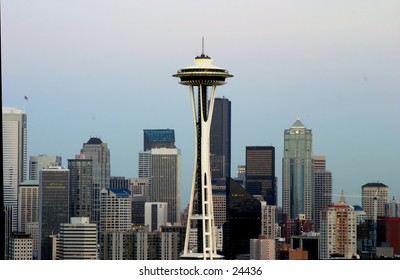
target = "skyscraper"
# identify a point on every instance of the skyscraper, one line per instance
(158, 138)
(297, 171)
(98, 151)
(115, 210)
(53, 206)
(322, 188)
(115, 219)
(260, 172)
(243, 220)
(220, 139)
(369, 192)
(15, 135)
(165, 185)
(37, 163)
(28, 211)
(80, 186)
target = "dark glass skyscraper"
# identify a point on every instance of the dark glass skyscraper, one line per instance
(53, 206)
(260, 172)
(220, 139)
(158, 138)
(243, 220)
(80, 186)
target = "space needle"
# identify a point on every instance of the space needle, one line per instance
(199, 77)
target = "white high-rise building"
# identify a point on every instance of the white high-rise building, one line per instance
(369, 192)
(297, 172)
(78, 240)
(338, 232)
(14, 162)
(116, 210)
(155, 215)
(268, 214)
(163, 168)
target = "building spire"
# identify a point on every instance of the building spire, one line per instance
(202, 45)
(342, 199)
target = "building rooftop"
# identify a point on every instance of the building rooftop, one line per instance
(12, 110)
(94, 141)
(379, 185)
(121, 193)
(29, 183)
(298, 123)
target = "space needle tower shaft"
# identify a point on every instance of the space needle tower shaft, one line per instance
(201, 76)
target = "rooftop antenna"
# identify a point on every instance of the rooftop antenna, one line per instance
(202, 45)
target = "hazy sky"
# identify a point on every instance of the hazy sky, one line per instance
(104, 68)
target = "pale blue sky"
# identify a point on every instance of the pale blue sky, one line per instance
(104, 68)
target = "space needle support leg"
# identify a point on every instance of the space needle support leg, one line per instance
(190, 213)
(206, 190)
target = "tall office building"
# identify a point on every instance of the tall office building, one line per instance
(53, 206)
(80, 186)
(297, 171)
(116, 209)
(139, 188)
(40, 162)
(268, 218)
(219, 200)
(322, 188)
(28, 211)
(260, 172)
(98, 151)
(243, 221)
(78, 240)
(155, 215)
(162, 167)
(338, 232)
(115, 219)
(145, 165)
(220, 139)
(28, 202)
(158, 138)
(165, 183)
(15, 135)
(369, 191)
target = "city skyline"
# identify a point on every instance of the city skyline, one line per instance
(317, 62)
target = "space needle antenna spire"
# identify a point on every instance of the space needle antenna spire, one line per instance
(202, 45)
(200, 77)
